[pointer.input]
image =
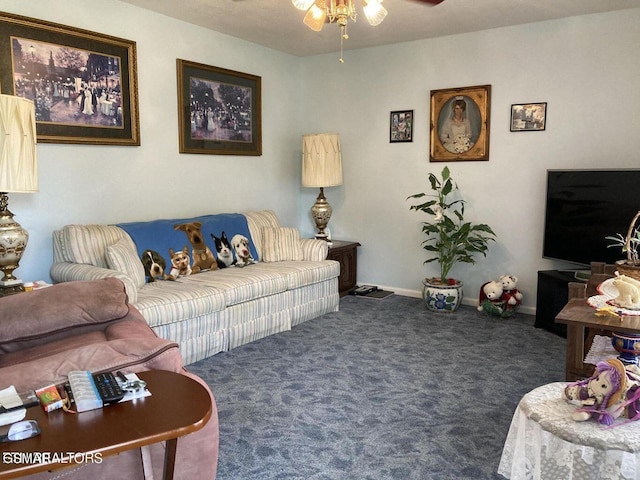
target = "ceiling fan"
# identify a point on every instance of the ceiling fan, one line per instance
(320, 12)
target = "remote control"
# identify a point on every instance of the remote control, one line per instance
(108, 387)
(364, 290)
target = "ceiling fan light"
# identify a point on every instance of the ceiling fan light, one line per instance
(302, 4)
(315, 18)
(374, 12)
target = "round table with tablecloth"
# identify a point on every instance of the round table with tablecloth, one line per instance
(544, 443)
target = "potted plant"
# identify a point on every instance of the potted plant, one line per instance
(631, 246)
(449, 240)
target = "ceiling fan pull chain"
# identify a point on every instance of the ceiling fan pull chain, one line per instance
(343, 37)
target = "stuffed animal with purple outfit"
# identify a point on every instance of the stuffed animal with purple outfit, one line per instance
(612, 391)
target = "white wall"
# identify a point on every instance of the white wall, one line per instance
(107, 184)
(586, 68)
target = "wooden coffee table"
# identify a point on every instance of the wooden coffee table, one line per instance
(178, 405)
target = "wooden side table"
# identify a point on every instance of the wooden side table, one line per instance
(345, 253)
(583, 324)
(178, 405)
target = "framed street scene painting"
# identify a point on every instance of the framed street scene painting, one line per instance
(401, 126)
(528, 117)
(460, 124)
(83, 84)
(219, 110)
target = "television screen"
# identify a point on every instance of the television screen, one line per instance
(585, 206)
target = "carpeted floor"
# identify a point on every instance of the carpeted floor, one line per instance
(380, 390)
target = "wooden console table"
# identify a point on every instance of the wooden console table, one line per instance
(178, 405)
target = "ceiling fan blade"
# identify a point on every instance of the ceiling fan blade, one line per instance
(431, 2)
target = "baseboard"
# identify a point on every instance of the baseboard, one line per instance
(472, 302)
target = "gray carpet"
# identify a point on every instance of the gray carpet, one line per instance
(382, 389)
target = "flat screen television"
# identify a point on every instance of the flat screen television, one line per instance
(585, 206)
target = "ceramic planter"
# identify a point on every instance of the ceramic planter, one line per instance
(442, 298)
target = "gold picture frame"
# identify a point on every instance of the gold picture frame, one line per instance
(460, 124)
(219, 110)
(59, 67)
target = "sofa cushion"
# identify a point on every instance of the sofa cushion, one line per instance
(281, 244)
(301, 274)
(240, 284)
(122, 257)
(165, 302)
(258, 220)
(94, 351)
(47, 314)
(130, 328)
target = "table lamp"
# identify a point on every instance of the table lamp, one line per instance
(18, 173)
(321, 167)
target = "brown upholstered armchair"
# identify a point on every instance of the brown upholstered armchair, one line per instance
(89, 325)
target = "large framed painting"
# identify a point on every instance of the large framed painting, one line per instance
(219, 110)
(83, 84)
(460, 123)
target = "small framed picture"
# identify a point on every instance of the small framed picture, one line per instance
(401, 126)
(528, 117)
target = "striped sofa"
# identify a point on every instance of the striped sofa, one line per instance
(216, 310)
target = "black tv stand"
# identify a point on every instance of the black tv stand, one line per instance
(552, 296)
(579, 274)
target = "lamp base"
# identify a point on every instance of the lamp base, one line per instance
(13, 241)
(321, 212)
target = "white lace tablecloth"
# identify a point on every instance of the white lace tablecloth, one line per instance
(601, 350)
(544, 443)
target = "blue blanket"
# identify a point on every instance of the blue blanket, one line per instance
(160, 235)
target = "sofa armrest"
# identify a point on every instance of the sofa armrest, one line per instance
(313, 249)
(49, 314)
(71, 272)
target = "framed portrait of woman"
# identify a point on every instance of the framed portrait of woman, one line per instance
(460, 124)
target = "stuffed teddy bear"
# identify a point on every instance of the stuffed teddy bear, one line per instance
(490, 298)
(511, 295)
(612, 391)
